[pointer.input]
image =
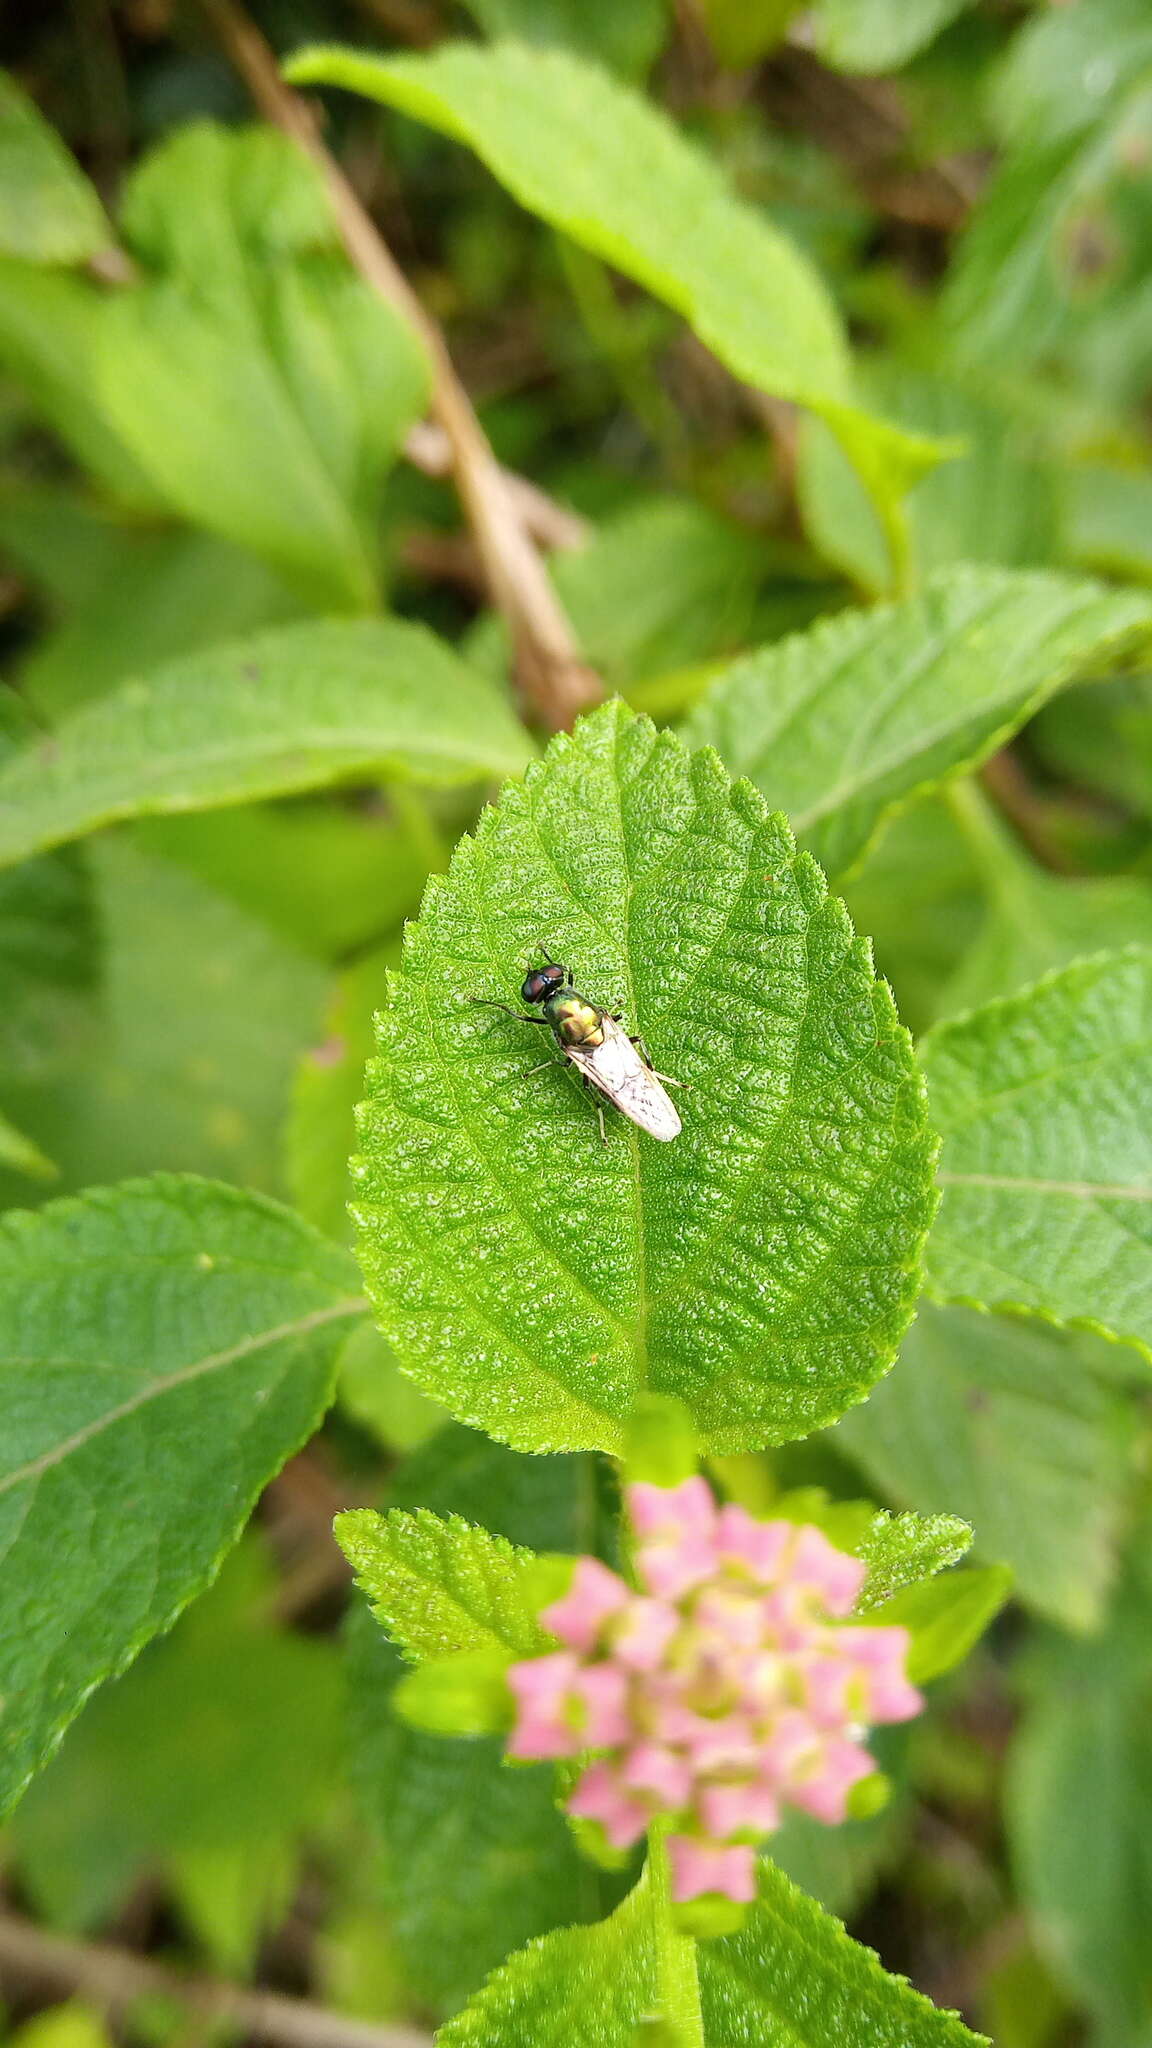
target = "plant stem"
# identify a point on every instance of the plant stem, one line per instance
(555, 683)
(116, 1978)
(677, 1981)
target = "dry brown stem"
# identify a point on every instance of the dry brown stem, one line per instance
(555, 683)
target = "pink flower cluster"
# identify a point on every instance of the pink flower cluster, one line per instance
(716, 1693)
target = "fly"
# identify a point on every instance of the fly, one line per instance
(604, 1055)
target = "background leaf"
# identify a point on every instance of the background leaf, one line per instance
(749, 294)
(48, 211)
(291, 709)
(1078, 1809)
(166, 1345)
(1046, 1168)
(1017, 1428)
(762, 1265)
(260, 384)
(878, 35)
(844, 723)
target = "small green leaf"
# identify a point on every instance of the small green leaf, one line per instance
(441, 1587)
(1015, 1427)
(167, 1344)
(51, 324)
(945, 1617)
(296, 708)
(609, 169)
(464, 1694)
(846, 723)
(902, 1551)
(19, 1154)
(48, 210)
(761, 1266)
(624, 35)
(1045, 1104)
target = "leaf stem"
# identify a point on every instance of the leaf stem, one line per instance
(554, 681)
(677, 1981)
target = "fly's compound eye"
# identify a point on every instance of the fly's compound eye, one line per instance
(541, 983)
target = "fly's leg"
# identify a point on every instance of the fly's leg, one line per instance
(646, 1056)
(521, 1016)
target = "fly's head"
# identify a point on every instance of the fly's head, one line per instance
(542, 983)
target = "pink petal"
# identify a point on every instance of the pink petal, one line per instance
(699, 1866)
(672, 1511)
(745, 1809)
(600, 1796)
(671, 1569)
(878, 1656)
(835, 1577)
(543, 1689)
(759, 1548)
(658, 1771)
(833, 1691)
(731, 1615)
(602, 1691)
(594, 1595)
(643, 1633)
(823, 1791)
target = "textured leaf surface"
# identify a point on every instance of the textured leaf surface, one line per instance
(440, 1586)
(793, 1972)
(792, 1977)
(846, 722)
(291, 709)
(48, 211)
(762, 1265)
(1080, 1809)
(475, 1858)
(166, 1345)
(903, 1550)
(1045, 1104)
(1013, 1426)
(609, 170)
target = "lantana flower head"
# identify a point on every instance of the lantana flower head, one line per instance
(720, 1689)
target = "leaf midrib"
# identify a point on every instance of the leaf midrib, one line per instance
(35, 1468)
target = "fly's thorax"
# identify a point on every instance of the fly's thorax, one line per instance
(575, 1020)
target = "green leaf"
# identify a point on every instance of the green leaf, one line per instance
(19, 1154)
(878, 35)
(844, 724)
(261, 384)
(762, 1266)
(48, 962)
(441, 1587)
(1108, 520)
(193, 1038)
(1102, 740)
(372, 1389)
(608, 169)
(625, 35)
(48, 211)
(535, 1503)
(1036, 922)
(51, 324)
(743, 30)
(1015, 1427)
(793, 1972)
(329, 1082)
(946, 1617)
(1046, 1169)
(994, 501)
(167, 1345)
(189, 1760)
(918, 893)
(902, 1551)
(158, 594)
(295, 708)
(1079, 1815)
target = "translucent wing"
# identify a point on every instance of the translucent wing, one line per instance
(618, 1071)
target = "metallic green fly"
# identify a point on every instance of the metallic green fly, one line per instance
(602, 1052)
